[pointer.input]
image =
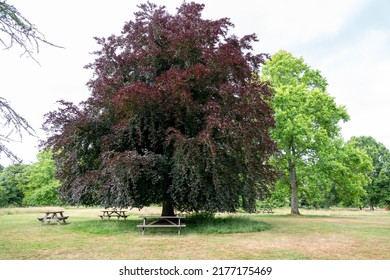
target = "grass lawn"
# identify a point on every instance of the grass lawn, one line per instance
(317, 234)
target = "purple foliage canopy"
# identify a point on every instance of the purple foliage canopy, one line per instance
(176, 116)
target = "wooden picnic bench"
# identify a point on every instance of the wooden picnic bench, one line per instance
(56, 216)
(267, 209)
(162, 222)
(113, 213)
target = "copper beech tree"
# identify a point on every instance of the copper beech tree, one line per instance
(176, 116)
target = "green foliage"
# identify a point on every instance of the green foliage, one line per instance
(41, 188)
(43, 196)
(3, 196)
(313, 159)
(378, 190)
(285, 70)
(341, 175)
(281, 195)
(30, 185)
(12, 180)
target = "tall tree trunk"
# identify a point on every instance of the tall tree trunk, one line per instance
(167, 209)
(167, 205)
(294, 187)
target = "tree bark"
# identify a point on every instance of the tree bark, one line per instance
(167, 205)
(294, 187)
(167, 209)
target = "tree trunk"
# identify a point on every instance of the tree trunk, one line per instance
(294, 187)
(167, 205)
(167, 209)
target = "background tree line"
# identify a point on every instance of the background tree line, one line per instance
(36, 185)
(30, 185)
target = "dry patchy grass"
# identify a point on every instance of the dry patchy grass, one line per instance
(323, 234)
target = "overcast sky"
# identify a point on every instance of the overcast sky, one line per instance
(348, 41)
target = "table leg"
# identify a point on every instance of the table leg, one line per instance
(55, 217)
(44, 219)
(143, 229)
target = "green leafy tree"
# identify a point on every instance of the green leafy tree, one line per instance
(41, 188)
(12, 180)
(378, 190)
(337, 179)
(30, 185)
(344, 169)
(176, 116)
(307, 131)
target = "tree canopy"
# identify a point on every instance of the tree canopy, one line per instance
(11, 180)
(176, 116)
(30, 184)
(378, 190)
(41, 186)
(307, 133)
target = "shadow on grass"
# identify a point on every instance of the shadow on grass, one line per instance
(194, 225)
(225, 225)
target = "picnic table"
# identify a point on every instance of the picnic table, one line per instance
(56, 216)
(161, 222)
(109, 213)
(267, 209)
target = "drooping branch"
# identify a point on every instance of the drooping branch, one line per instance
(15, 29)
(11, 124)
